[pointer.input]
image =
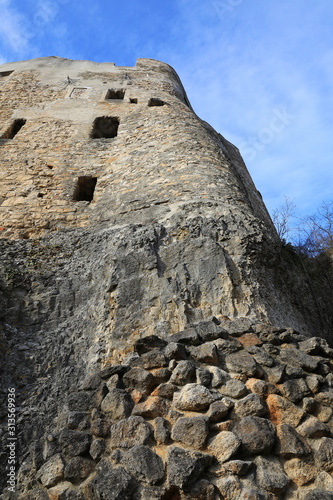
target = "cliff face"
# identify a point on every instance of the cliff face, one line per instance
(122, 216)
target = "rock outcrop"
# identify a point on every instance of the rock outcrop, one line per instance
(141, 276)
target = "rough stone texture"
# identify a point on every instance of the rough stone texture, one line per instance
(270, 475)
(111, 483)
(193, 397)
(282, 411)
(233, 388)
(184, 373)
(224, 446)
(117, 404)
(250, 405)
(290, 443)
(185, 466)
(257, 434)
(324, 455)
(230, 487)
(300, 471)
(142, 463)
(52, 471)
(124, 256)
(191, 431)
(129, 432)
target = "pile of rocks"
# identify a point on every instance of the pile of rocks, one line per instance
(236, 410)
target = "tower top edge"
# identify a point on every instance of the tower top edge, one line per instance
(43, 63)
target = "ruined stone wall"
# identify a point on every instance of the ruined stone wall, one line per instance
(108, 240)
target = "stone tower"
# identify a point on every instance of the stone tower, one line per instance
(123, 217)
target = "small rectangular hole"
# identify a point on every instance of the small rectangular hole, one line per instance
(85, 187)
(115, 94)
(6, 73)
(155, 101)
(105, 127)
(14, 129)
(133, 100)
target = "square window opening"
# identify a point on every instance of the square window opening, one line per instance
(6, 73)
(115, 94)
(104, 127)
(155, 101)
(13, 129)
(85, 187)
(133, 100)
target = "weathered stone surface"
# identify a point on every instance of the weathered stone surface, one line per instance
(324, 480)
(241, 362)
(230, 487)
(261, 357)
(202, 490)
(205, 353)
(74, 443)
(260, 387)
(219, 409)
(224, 446)
(203, 376)
(154, 359)
(140, 379)
(289, 443)
(80, 401)
(78, 468)
(298, 359)
(100, 427)
(324, 455)
(282, 411)
(295, 390)
(185, 467)
(153, 407)
(250, 405)
(111, 483)
(312, 345)
(313, 382)
(145, 465)
(184, 373)
(52, 471)
(193, 397)
(189, 336)
(257, 434)
(312, 427)
(60, 491)
(117, 404)
(219, 376)
(300, 471)
(97, 448)
(309, 405)
(164, 391)
(227, 346)
(317, 494)
(129, 432)
(238, 326)
(237, 467)
(325, 399)
(252, 493)
(192, 431)
(270, 475)
(161, 432)
(149, 343)
(175, 350)
(233, 388)
(249, 340)
(78, 421)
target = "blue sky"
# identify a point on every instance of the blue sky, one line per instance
(260, 72)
